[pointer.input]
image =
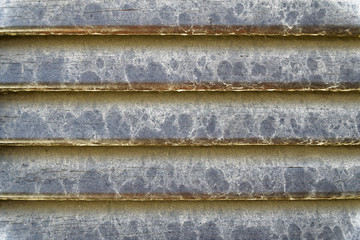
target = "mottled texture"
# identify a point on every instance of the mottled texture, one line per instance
(283, 17)
(330, 220)
(179, 118)
(179, 173)
(143, 173)
(178, 63)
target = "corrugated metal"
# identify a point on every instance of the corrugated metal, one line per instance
(174, 137)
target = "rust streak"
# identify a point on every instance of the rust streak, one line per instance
(277, 30)
(186, 86)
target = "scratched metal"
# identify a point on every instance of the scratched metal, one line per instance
(177, 63)
(284, 17)
(201, 118)
(218, 173)
(331, 220)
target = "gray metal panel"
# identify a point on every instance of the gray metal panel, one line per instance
(203, 119)
(40, 118)
(181, 220)
(284, 17)
(178, 63)
(179, 173)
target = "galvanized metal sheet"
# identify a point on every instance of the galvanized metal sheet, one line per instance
(255, 17)
(178, 64)
(180, 220)
(179, 119)
(218, 173)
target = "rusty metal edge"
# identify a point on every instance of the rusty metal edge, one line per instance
(174, 197)
(271, 30)
(184, 86)
(181, 142)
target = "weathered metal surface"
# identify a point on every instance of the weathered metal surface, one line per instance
(247, 173)
(255, 17)
(181, 220)
(171, 175)
(179, 118)
(178, 64)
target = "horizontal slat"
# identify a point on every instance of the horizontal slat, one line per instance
(247, 173)
(175, 63)
(257, 17)
(179, 118)
(180, 220)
